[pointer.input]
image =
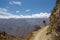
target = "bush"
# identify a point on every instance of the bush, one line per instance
(37, 27)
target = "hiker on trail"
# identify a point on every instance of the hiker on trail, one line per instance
(44, 23)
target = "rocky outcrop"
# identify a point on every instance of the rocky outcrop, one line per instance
(54, 29)
(5, 36)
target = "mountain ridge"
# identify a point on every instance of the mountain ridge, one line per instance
(15, 26)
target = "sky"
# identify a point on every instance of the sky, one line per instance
(26, 8)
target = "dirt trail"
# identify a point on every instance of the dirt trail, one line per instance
(40, 34)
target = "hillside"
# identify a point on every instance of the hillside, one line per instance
(40, 34)
(34, 35)
(5, 36)
(54, 28)
(21, 27)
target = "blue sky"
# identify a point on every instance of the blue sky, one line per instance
(26, 8)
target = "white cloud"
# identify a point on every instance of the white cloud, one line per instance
(6, 15)
(41, 15)
(15, 3)
(3, 9)
(17, 11)
(27, 10)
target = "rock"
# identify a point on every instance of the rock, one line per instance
(54, 28)
(5, 36)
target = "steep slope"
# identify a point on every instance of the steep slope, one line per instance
(5, 36)
(54, 28)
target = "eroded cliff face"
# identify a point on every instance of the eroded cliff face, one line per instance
(54, 29)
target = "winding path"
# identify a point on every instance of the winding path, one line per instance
(40, 34)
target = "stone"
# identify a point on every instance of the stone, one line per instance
(54, 28)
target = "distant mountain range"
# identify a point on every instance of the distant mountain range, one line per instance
(21, 27)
